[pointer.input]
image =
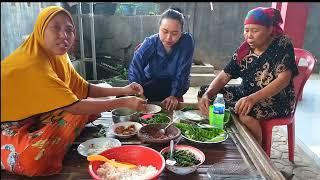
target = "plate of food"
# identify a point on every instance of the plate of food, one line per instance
(203, 135)
(152, 109)
(154, 119)
(97, 145)
(125, 129)
(194, 115)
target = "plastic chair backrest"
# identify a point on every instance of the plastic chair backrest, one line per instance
(305, 62)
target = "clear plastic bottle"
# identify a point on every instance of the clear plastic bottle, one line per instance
(216, 112)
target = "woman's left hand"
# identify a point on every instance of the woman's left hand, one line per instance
(245, 104)
(133, 89)
(170, 103)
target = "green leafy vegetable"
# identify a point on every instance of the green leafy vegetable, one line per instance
(201, 134)
(102, 132)
(184, 158)
(188, 108)
(158, 118)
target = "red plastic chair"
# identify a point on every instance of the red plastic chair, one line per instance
(305, 61)
(303, 57)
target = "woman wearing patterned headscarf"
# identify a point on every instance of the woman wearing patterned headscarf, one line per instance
(44, 104)
(266, 63)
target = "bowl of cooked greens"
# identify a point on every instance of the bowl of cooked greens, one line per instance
(154, 119)
(188, 159)
(202, 134)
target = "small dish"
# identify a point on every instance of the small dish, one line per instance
(148, 133)
(125, 130)
(194, 115)
(154, 119)
(152, 109)
(183, 170)
(124, 114)
(97, 145)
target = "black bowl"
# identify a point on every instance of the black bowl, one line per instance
(149, 133)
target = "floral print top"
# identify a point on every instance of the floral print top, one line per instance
(259, 71)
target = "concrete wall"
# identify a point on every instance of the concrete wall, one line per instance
(17, 20)
(116, 35)
(217, 33)
(312, 34)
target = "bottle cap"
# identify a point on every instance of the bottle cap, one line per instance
(220, 95)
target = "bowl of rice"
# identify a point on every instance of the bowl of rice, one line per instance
(150, 163)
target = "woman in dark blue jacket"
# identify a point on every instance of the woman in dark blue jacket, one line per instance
(163, 61)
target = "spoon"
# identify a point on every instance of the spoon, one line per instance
(163, 131)
(114, 163)
(205, 125)
(171, 161)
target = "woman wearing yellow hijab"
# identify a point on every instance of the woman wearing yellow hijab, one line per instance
(44, 103)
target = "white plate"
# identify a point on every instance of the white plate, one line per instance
(126, 124)
(152, 109)
(105, 120)
(97, 145)
(201, 142)
(194, 115)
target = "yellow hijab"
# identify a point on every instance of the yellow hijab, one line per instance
(34, 82)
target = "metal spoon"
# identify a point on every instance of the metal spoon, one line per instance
(163, 131)
(171, 161)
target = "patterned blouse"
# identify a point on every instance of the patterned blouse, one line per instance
(259, 71)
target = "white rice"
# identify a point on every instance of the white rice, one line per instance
(107, 171)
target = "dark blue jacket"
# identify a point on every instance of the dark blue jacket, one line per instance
(151, 61)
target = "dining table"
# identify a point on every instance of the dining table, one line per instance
(238, 157)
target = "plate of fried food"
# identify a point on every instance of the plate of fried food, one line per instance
(126, 129)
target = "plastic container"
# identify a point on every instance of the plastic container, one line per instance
(134, 154)
(232, 170)
(124, 114)
(216, 112)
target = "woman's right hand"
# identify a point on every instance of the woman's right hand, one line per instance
(203, 104)
(133, 88)
(135, 103)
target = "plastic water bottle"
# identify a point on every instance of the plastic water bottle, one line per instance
(216, 112)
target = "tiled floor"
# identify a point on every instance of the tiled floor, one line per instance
(308, 117)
